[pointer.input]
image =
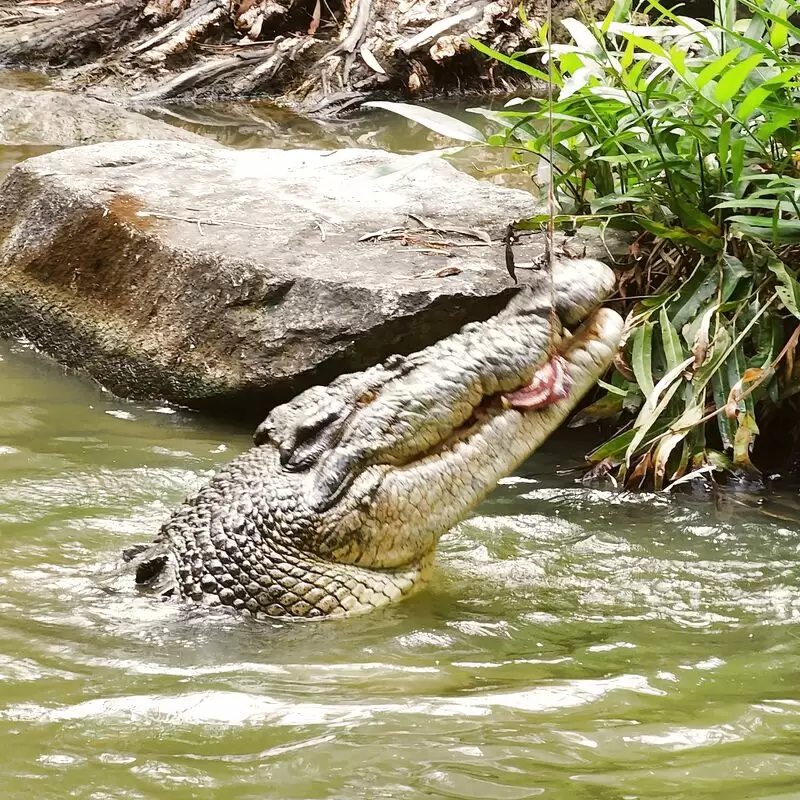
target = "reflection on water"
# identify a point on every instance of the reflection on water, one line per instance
(575, 642)
(261, 124)
(20, 79)
(10, 155)
(23, 79)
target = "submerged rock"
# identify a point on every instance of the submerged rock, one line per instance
(230, 280)
(45, 117)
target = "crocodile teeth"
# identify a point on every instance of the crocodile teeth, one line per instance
(550, 383)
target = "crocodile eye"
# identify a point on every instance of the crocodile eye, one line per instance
(311, 426)
(312, 436)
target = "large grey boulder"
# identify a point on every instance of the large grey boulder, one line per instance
(45, 117)
(230, 280)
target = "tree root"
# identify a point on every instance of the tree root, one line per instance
(322, 56)
(179, 34)
(68, 35)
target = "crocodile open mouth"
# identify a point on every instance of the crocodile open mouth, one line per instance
(554, 392)
(575, 364)
(541, 406)
(550, 383)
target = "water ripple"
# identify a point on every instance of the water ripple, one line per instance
(574, 643)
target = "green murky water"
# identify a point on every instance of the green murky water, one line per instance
(575, 643)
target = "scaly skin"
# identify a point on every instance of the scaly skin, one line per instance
(339, 507)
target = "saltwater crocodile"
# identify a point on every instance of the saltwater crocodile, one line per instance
(339, 506)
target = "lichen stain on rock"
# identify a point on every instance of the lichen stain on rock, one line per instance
(88, 258)
(126, 208)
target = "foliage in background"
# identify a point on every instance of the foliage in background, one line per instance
(687, 135)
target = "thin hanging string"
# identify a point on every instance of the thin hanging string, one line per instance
(551, 195)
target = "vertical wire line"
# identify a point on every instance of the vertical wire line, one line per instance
(551, 196)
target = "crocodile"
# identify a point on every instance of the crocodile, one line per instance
(338, 507)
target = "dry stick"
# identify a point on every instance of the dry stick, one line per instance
(200, 221)
(363, 11)
(196, 17)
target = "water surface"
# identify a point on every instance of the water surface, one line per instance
(574, 642)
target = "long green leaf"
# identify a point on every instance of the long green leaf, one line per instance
(515, 63)
(781, 20)
(718, 350)
(680, 429)
(733, 271)
(752, 102)
(716, 67)
(701, 285)
(642, 357)
(670, 340)
(769, 205)
(722, 150)
(709, 246)
(647, 45)
(614, 448)
(737, 166)
(755, 98)
(732, 80)
(721, 388)
(655, 404)
(786, 231)
(788, 288)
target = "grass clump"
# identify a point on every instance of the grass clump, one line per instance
(687, 135)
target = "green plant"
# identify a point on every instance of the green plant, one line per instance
(687, 136)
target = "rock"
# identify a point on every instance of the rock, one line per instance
(230, 280)
(46, 117)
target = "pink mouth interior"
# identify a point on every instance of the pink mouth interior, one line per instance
(550, 383)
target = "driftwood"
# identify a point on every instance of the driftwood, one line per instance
(320, 55)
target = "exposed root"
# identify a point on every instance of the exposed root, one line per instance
(323, 56)
(265, 75)
(181, 32)
(436, 29)
(68, 33)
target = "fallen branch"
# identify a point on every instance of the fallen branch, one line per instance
(181, 32)
(435, 30)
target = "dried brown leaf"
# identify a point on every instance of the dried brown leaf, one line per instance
(443, 272)
(369, 59)
(315, 19)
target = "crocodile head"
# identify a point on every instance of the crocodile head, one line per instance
(340, 505)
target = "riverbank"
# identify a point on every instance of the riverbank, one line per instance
(321, 58)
